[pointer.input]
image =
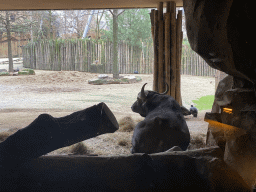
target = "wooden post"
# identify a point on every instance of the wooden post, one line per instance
(155, 73)
(178, 57)
(152, 19)
(168, 7)
(173, 49)
(161, 84)
(167, 42)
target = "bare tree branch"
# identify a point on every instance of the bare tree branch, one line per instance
(120, 12)
(111, 12)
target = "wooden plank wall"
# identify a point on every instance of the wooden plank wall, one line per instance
(78, 55)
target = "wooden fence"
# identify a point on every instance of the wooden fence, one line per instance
(81, 55)
(193, 64)
(16, 48)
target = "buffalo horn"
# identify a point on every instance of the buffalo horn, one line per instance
(166, 91)
(142, 93)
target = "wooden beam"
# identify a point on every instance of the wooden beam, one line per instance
(168, 7)
(161, 84)
(173, 54)
(156, 45)
(179, 37)
(138, 172)
(167, 42)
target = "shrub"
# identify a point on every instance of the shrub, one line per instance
(4, 73)
(29, 71)
(23, 73)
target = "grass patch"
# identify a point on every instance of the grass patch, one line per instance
(204, 102)
(4, 73)
(27, 72)
(23, 73)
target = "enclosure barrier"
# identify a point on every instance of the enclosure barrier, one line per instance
(81, 55)
(84, 54)
(193, 64)
(200, 170)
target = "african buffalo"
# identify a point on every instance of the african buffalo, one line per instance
(164, 125)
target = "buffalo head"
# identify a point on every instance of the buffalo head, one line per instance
(144, 97)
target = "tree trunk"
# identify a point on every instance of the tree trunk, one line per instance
(50, 24)
(8, 29)
(115, 44)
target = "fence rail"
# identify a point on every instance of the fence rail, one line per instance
(81, 55)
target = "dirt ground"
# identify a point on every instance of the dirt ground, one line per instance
(60, 93)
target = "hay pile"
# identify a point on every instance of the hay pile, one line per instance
(118, 143)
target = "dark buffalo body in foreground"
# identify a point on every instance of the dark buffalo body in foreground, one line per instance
(163, 127)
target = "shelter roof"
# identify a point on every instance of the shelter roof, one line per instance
(79, 4)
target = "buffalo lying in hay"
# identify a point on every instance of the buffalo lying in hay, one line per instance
(164, 125)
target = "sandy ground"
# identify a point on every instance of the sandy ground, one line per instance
(60, 93)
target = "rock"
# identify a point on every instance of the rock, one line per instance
(240, 155)
(239, 147)
(215, 133)
(97, 81)
(215, 136)
(3, 70)
(14, 74)
(221, 98)
(104, 79)
(103, 76)
(223, 38)
(130, 79)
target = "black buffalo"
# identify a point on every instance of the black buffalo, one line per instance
(164, 125)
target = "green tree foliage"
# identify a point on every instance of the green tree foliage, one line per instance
(133, 26)
(19, 21)
(11, 21)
